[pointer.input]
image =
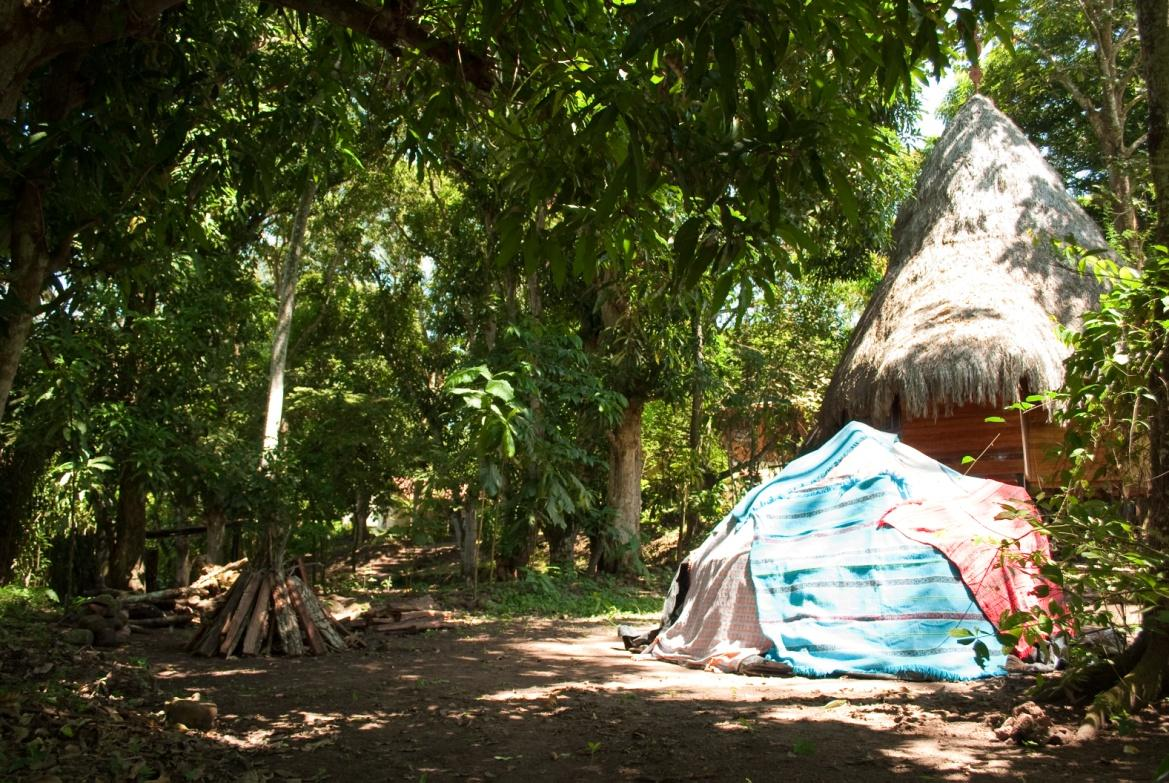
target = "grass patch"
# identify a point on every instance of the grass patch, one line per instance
(22, 601)
(547, 594)
(25, 614)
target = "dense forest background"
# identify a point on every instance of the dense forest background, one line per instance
(549, 281)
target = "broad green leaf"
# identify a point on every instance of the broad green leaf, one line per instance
(500, 389)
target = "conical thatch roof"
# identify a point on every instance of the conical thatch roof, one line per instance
(968, 308)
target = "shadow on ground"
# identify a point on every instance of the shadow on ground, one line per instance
(546, 700)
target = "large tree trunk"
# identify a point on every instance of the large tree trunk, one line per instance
(21, 467)
(1146, 681)
(626, 460)
(129, 538)
(26, 282)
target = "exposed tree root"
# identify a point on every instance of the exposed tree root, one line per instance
(1141, 686)
(1079, 688)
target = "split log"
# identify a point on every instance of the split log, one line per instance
(206, 642)
(320, 617)
(421, 614)
(406, 626)
(259, 623)
(297, 601)
(145, 611)
(168, 594)
(166, 621)
(287, 628)
(233, 629)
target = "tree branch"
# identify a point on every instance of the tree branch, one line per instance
(34, 34)
(1131, 149)
(711, 480)
(391, 28)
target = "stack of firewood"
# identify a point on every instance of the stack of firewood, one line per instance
(268, 612)
(108, 618)
(178, 606)
(403, 616)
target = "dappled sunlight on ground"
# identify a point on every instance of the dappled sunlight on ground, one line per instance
(552, 700)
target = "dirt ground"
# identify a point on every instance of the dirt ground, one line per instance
(561, 700)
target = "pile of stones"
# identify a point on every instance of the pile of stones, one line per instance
(101, 621)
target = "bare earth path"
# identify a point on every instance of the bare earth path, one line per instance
(544, 700)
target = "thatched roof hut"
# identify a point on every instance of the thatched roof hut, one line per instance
(964, 321)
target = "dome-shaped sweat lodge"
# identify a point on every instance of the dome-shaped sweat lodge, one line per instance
(965, 320)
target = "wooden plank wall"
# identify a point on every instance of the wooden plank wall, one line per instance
(997, 446)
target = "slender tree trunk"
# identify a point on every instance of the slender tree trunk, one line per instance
(469, 537)
(215, 520)
(1124, 213)
(1108, 116)
(694, 433)
(361, 517)
(129, 532)
(182, 561)
(626, 460)
(524, 526)
(274, 538)
(285, 304)
(1151, 20)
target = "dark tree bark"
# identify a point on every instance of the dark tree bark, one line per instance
(34, 34)
(1151, 21)
(361, 517)
(468, 530)
(21, 467)
(30, 268)
(693, 435)
(215, 520)
(129, 538)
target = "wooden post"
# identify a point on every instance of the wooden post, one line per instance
(150, 569)
(1024, 433)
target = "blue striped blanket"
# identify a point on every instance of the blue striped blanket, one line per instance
(837, 594)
